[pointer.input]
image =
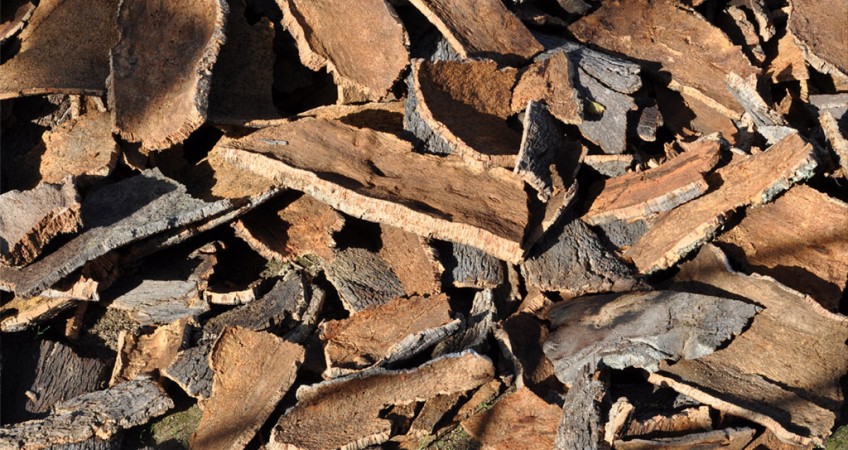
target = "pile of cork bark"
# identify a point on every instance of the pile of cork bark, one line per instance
(501, 224)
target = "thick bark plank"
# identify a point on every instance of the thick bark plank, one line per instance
(461, 107)
(22, 313)
(520, 420)
(190, 371)
(64, 49)
(242, 79)
(116, 215)
(30, 219)
(148, 353)
(637, 195)
(253, 370)
(696, 54)
(14, 17)
(363, 279)
(340, 36)
(346, 411)
(819, 29)
(783, 372)
(801, 240)
(729, 438)
(159, 89)
(483, 29)
(376, 176)
(386, 333)
(83, 148)
(581, 425)
(640, 329)
(98, 414)
(571, 259)
(411, 259)
(752, 181)
(549, 79)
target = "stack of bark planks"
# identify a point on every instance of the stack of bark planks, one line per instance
(500, 224)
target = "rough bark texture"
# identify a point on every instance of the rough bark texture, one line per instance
(30, 219)
(363, 279)
(253, 370)
(789, 64)
(524, 336)
(148, 353)
(476, 327)
(389, 332)
(411, 259)
(836, 138)
(549, 80)
(610, 165)
(484, 29)
(783, 372)
(69, 52)
(687, 420)
(469, 267)
(571, 259)
(767, 122)
(124, 212)
(155, 98)
(729, 438)
(325, 39)
(819, 29)
(190, 371)
(98, 414)
(541, 143)
(162, 301)
(82, 148)
(637, 195)
(580, 424)
(649, 121)
(519, 421)
(751, 181)
(345, 411)
(359, 172)
(640, 329)
(767, 241)
(14, 17)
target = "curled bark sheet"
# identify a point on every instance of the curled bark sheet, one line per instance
(640, 329)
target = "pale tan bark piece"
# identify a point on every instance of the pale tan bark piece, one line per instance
(14, 17)
(146, 353)
(548, 79)
(346, 411)
(818, 27)
(637, 195)
(836, 138)
(783, 372)
(159, 88)
(340, 36)
(520, 420)
(31, 219)
(377, 177)
(801, 240)
(695, 53)
(687, 420)
(751, 181)
(64, 49)
(461, 107)
(252, 372)
(83, 148)
(388, 332)
(789, 64)
(483, 28)
(411, 259)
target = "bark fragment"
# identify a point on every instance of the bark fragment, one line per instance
(549, 80)
(82, 148)
(469, 267)
(819, 30)
(14, 17)
(751, 181)
(729, 438)
(363, 279)
(542, 143)
(253, 370)
(64, 49)
(520, 420)
(411, 259)
(30, 219)
(159, 90)
(838, 141)
(581, 425)
(148, 353)
(22, 313)
(610, 165)
(789, 64)
(190, 371)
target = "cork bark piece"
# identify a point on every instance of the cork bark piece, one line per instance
(346, 411)
(728, 438)
(695, 53)
(243, 76)
(523, 335)
(819, 30)
(64, 49)
(146, 353)
(520, 420)
(30, 219)
(159, 89)
(14, 17)
(469, 267)
(638, 195)
(542, 142)
(789, 64)
(83, 148)
(484, 29)
(461, 107)
(549, 79)
(22, 313)
(753, 180)
(411, 259)
(252, 372)
(686, 420)
(783, 372)
(377, 177)
(363, 279)
(389, 332)
(191, 372)
(339, 36)
(581, 425)
(766, 242)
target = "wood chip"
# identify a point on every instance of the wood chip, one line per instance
(485, 29)
(15, 15)
(64, 49)
(253, 370)
(637, 195)
(819, 30)
(640, 329)
(320, 30)
(549, 79)
(83, 148)
(97, 414)
(461, 107)
(520, 420)
(159, 90)
(432, 188)
(345, 411)
(649, 121)
(147, 353)
(29, 220)
(729, 438)
(363, 279)
(386, 333)
(783, 372)
(696, 54)
(752, 181)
